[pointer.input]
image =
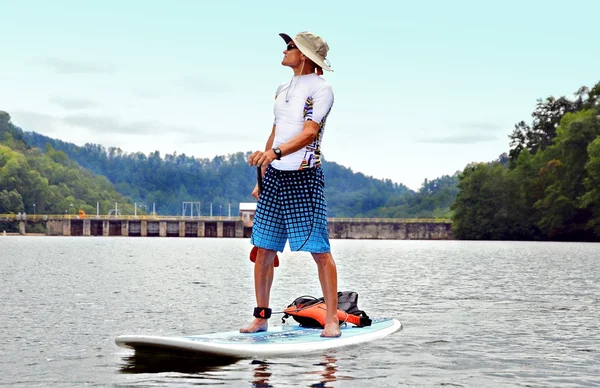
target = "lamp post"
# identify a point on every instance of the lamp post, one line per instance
(34, 209)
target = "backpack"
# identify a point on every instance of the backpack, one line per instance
(309, 311)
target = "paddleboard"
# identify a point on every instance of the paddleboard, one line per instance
(276, 341)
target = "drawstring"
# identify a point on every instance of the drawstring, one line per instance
(287, 93)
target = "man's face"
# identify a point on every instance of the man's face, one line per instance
(292, 55)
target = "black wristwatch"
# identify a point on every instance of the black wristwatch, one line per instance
(277, 153)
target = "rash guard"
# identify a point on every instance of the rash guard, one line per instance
(305, 97)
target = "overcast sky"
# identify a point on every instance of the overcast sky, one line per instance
(421, 88)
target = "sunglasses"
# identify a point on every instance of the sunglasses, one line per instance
(291, 46)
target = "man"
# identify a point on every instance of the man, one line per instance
(291, 206)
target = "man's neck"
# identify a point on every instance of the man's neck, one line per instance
(305, 72)
(304, 69)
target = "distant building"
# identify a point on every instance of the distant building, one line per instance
(247, 211)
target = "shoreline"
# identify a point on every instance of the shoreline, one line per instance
(12, 234)
(16, 234)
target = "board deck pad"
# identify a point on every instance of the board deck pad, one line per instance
(277, 340)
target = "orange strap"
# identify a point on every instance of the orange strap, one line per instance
(319, 311)
(254, 252)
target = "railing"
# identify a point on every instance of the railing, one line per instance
(46, 217)
(392, 220)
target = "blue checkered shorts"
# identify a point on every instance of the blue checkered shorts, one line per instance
(292, 207)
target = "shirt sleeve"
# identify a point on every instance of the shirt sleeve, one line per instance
(318, 106)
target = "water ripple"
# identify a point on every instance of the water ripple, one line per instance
(485, 314)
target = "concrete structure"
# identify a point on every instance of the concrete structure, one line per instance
(385, 230)
(232, 227)
(247, 211)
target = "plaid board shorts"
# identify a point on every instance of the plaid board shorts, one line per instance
(292, 207)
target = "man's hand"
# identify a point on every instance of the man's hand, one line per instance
(262, 158)
(255, 192)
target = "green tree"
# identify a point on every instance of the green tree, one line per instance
(546, 118)
(561, 215)
(51, 181)
(11, 202)
(591, 199)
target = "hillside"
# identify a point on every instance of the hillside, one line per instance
(48, 182)
(166, 181)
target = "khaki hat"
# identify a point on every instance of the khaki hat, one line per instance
(311, 45)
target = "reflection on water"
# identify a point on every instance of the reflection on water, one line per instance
(322, 376)
(141, 362)
(261, 374)
(328, 372)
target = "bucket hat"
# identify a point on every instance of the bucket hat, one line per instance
(312, 46)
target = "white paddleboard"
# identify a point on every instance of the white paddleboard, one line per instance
(277, 341)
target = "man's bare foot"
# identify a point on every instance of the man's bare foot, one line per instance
(331, 330)
(257, 325)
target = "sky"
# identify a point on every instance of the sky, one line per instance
(421, 88)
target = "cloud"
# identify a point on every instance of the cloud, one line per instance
(145, 93)
(49, 124)
(73, 103)
(478, 125)
(38, 122)
(468, 138)
(200, 85)
(102, 128)
(200, 137)
(63, 66)
(466, 132)
(110, 124)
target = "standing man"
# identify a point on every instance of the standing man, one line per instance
(291, 206)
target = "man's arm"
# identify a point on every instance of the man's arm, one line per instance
(309, 133)
(301, 140)
(268, 146)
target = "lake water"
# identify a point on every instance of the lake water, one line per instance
(475, 314)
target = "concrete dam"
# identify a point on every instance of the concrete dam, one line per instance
(228, 227)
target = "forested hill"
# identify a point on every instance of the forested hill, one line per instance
(549, 186)
(33, 181)
(169, 180)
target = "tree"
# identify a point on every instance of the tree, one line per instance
(479, 201)
(561, 214)
(11, 202)
(591, 199)
(51, 181)
(546, 119)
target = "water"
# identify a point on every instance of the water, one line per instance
(475, 314)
